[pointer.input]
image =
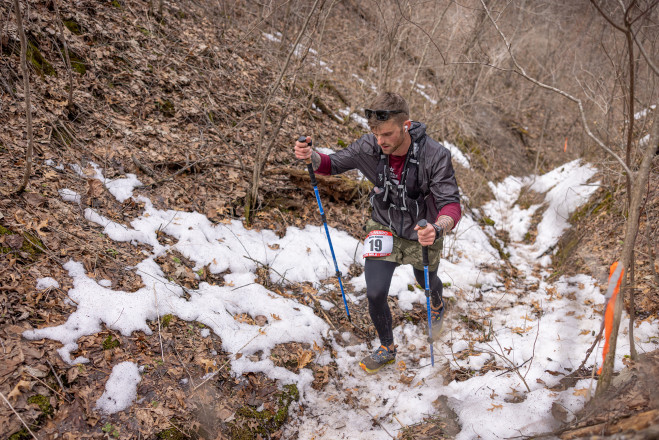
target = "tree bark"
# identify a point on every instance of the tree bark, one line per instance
(639, 183)
(26, 91)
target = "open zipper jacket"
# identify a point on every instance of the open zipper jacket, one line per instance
(427, 183)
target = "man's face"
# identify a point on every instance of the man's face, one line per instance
(390, 136)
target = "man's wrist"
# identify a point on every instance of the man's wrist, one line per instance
(315, 160)
(438, 231)
(442, 226)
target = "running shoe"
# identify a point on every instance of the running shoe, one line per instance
(437, 319)
(381, 357)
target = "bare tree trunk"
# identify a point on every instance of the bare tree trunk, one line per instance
(58, 18)
(26, 91)
(639, 183)
(262, 152)
(628, 158)
(638, 179)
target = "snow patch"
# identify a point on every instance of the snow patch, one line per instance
(120, 389)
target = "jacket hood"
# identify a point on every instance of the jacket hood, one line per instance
(418, 130)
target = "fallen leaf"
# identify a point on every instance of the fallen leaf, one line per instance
(94, 188)
(208, 364)
(226, 415)
(19, 388)
(304, 358)
(494, 406)
(581, 392)
(14, 241)
(35, 199)
(406, 378)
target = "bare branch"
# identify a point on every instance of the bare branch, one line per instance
(606, 17)
(645, 55)
(522, 72)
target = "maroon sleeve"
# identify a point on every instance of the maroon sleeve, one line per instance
(453, 210)
(325, 168)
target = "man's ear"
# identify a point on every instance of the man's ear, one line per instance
(406, 125)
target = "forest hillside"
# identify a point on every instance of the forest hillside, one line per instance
(114, 112)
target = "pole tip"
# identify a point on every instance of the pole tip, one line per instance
(422, 223)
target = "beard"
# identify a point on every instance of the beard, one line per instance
(394, 146)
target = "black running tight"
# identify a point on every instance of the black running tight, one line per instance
(378, 275)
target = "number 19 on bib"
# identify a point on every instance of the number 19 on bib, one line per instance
(378, 244)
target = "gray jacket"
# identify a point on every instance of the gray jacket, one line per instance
(401, 206)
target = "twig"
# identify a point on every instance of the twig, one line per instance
(162, 351)
(645, 55)
(146, 170)
(592, 347)
(49, 387)
(18, 415)
(377, 421)
(514, 367)
(537, 333)
(172, 344)
(321, 310)
(59, 381)
(261, 156)
(182, 170)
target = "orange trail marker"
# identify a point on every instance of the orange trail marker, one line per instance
(615, 278)
(565, 147)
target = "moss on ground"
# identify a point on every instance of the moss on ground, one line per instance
(36, 59)
(42, 402)
(23, 434)
(166, 320)
(167, 108)
(265, 422)
(73, 26)
(109, 343)
(170, 434)
(31, 244)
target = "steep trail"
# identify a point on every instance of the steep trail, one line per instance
(507, 343)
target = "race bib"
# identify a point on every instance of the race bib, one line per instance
(378, 244)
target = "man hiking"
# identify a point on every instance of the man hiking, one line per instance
(413, 179)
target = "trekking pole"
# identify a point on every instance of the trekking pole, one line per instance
(314, 183)
(424, 249)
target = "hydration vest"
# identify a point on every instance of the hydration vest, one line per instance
(405, 197)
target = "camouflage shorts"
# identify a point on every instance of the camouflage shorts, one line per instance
(408, 251)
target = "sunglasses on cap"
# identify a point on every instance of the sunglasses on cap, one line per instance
(380, 115)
